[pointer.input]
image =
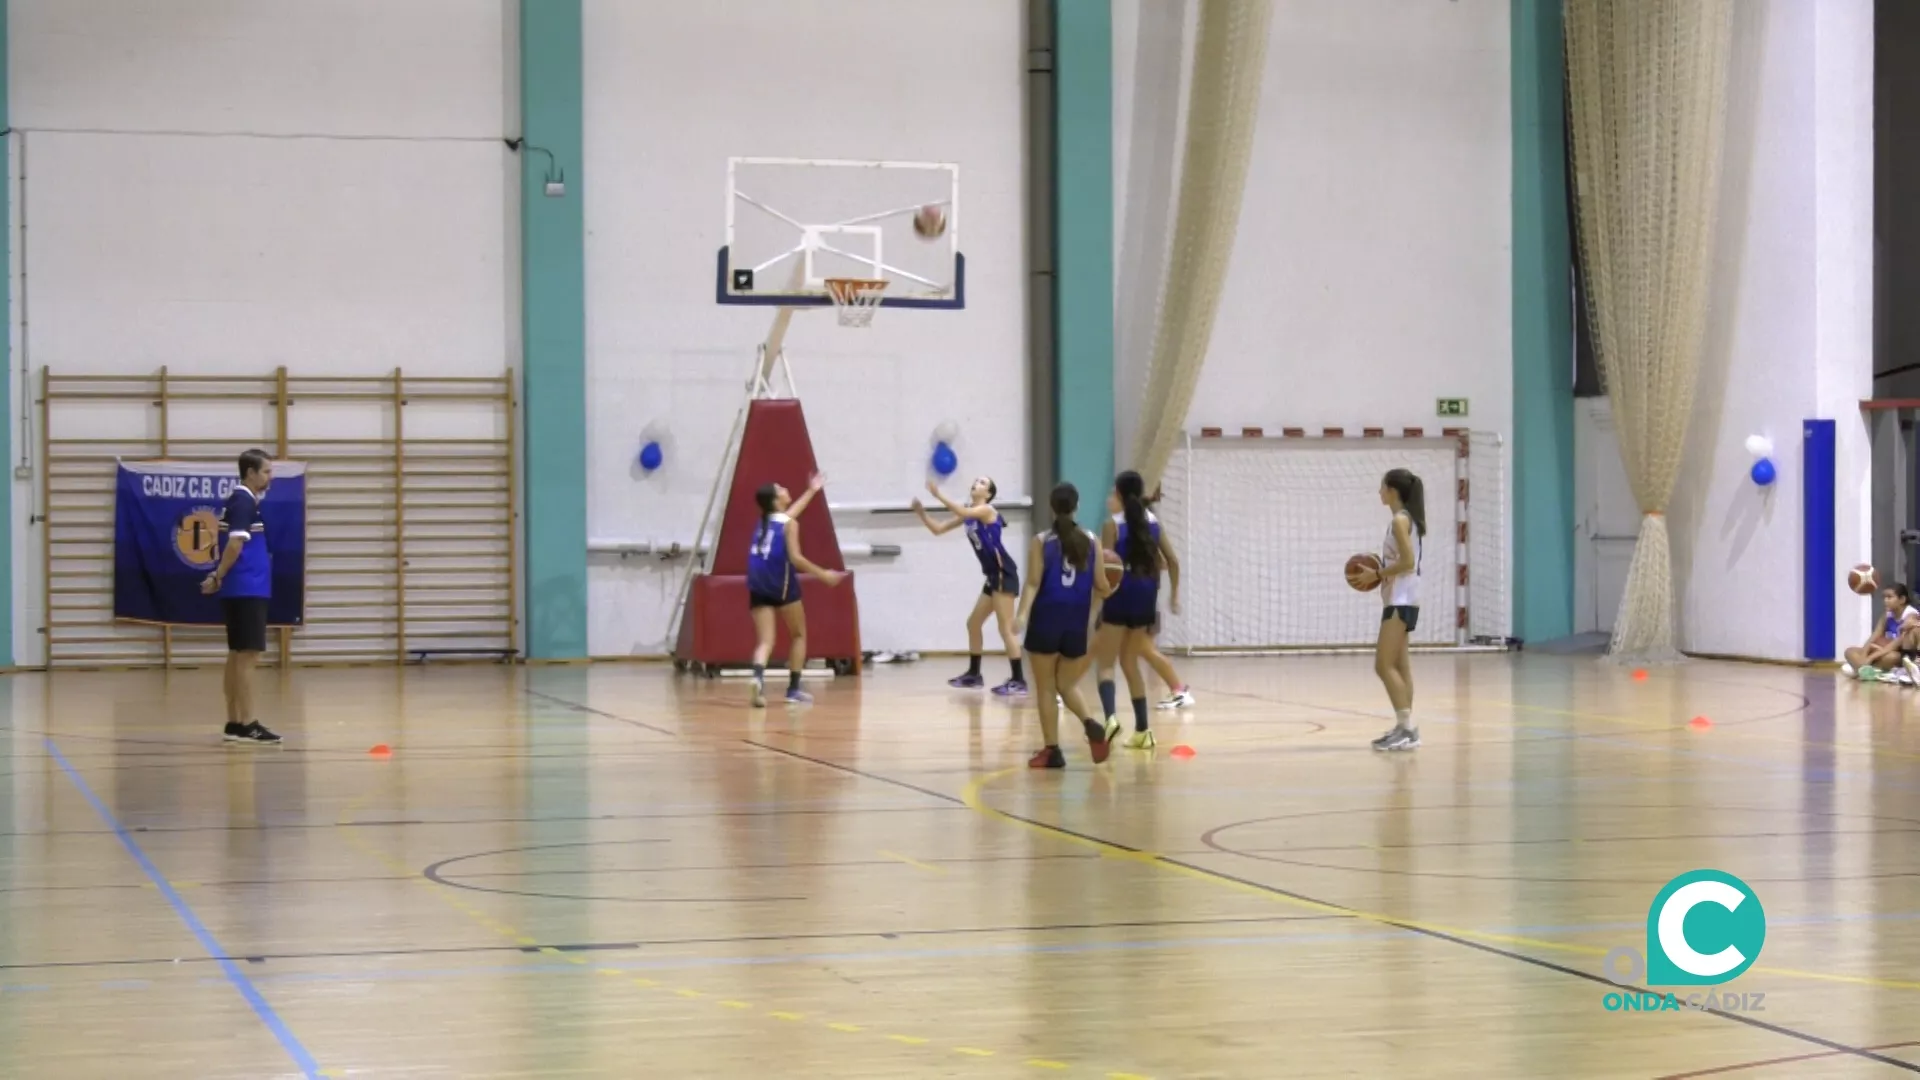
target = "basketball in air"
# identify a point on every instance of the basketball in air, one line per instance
(1359, 563)
(930, 221)
(1863, 579)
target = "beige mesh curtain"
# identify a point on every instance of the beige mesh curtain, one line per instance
(1646, 82)
(1230, 55)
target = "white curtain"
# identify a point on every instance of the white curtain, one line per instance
(1646, 83)
(1230, 54)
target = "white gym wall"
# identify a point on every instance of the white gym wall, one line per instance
(226, 188)
(1371, 273)
(672, 91)
(1791, 330)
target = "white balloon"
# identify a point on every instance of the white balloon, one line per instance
(1759, 446)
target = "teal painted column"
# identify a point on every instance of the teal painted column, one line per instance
(1542, 451)
(1083, 248)
(553, 332)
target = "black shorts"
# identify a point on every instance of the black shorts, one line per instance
(756, 600)
(1005, 580)
(246, 623)
(1131, 620)
(1409, 614)
(1067, 641)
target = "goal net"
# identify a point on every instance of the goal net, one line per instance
(1264, 526)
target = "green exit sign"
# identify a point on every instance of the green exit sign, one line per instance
(1450, 406)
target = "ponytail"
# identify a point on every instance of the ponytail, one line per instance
(1413, 497)
(1074, 545)
(1142, 557)
(764, 498)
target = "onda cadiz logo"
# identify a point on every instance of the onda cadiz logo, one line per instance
(1704, 928)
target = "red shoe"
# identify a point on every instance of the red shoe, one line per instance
(1097, 740)
(1047, 758)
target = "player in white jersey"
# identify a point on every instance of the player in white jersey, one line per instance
(1399, 578)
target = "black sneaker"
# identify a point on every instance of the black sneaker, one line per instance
(234, 732)
(255, 733)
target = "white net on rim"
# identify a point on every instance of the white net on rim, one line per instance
(856, 299)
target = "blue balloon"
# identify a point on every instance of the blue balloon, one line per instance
(1763, 473)
(651, 456)
(944, 459)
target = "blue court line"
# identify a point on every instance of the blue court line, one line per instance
(308, 1067)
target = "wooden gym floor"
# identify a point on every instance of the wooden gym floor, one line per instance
(611, 871)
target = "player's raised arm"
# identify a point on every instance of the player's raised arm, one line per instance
(814, 484)
(976, 512)
(937, 528)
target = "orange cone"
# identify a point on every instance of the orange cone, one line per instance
(1183, 751)
(1699, 723)
(381, 750)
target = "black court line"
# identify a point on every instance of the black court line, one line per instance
(158, 829)
(578, 707)
(365, 879)
(1490, 950)
(738, 939)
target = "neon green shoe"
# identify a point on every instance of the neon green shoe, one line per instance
(1140, 740)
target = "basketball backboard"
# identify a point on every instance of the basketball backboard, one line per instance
(792, 223)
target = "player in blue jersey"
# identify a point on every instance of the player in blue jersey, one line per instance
(774, 585)
(1130, 615)
(984, 527)
(244, 580)
(1894, 642)
(1055, 609)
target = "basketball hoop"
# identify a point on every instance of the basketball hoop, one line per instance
(856, 299)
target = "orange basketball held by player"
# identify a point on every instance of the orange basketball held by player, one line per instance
(1112, 566)
(1863, 580)
(1361, 564)
(930, 220)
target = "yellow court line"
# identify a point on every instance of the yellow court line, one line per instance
(971, 795)
(914, 862)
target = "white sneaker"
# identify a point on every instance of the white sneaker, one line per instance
(1179, 699)
(1846, 669)
(1402, 739)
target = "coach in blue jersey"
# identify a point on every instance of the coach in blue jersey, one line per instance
(244, 581)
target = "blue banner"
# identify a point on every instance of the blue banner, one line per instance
(166, 527)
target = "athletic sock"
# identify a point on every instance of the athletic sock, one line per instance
(1403, 718)
(793, 681)
(760, 674)
(1018, 675)
(1139, 714)
(1106, 697)
(973, 664)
